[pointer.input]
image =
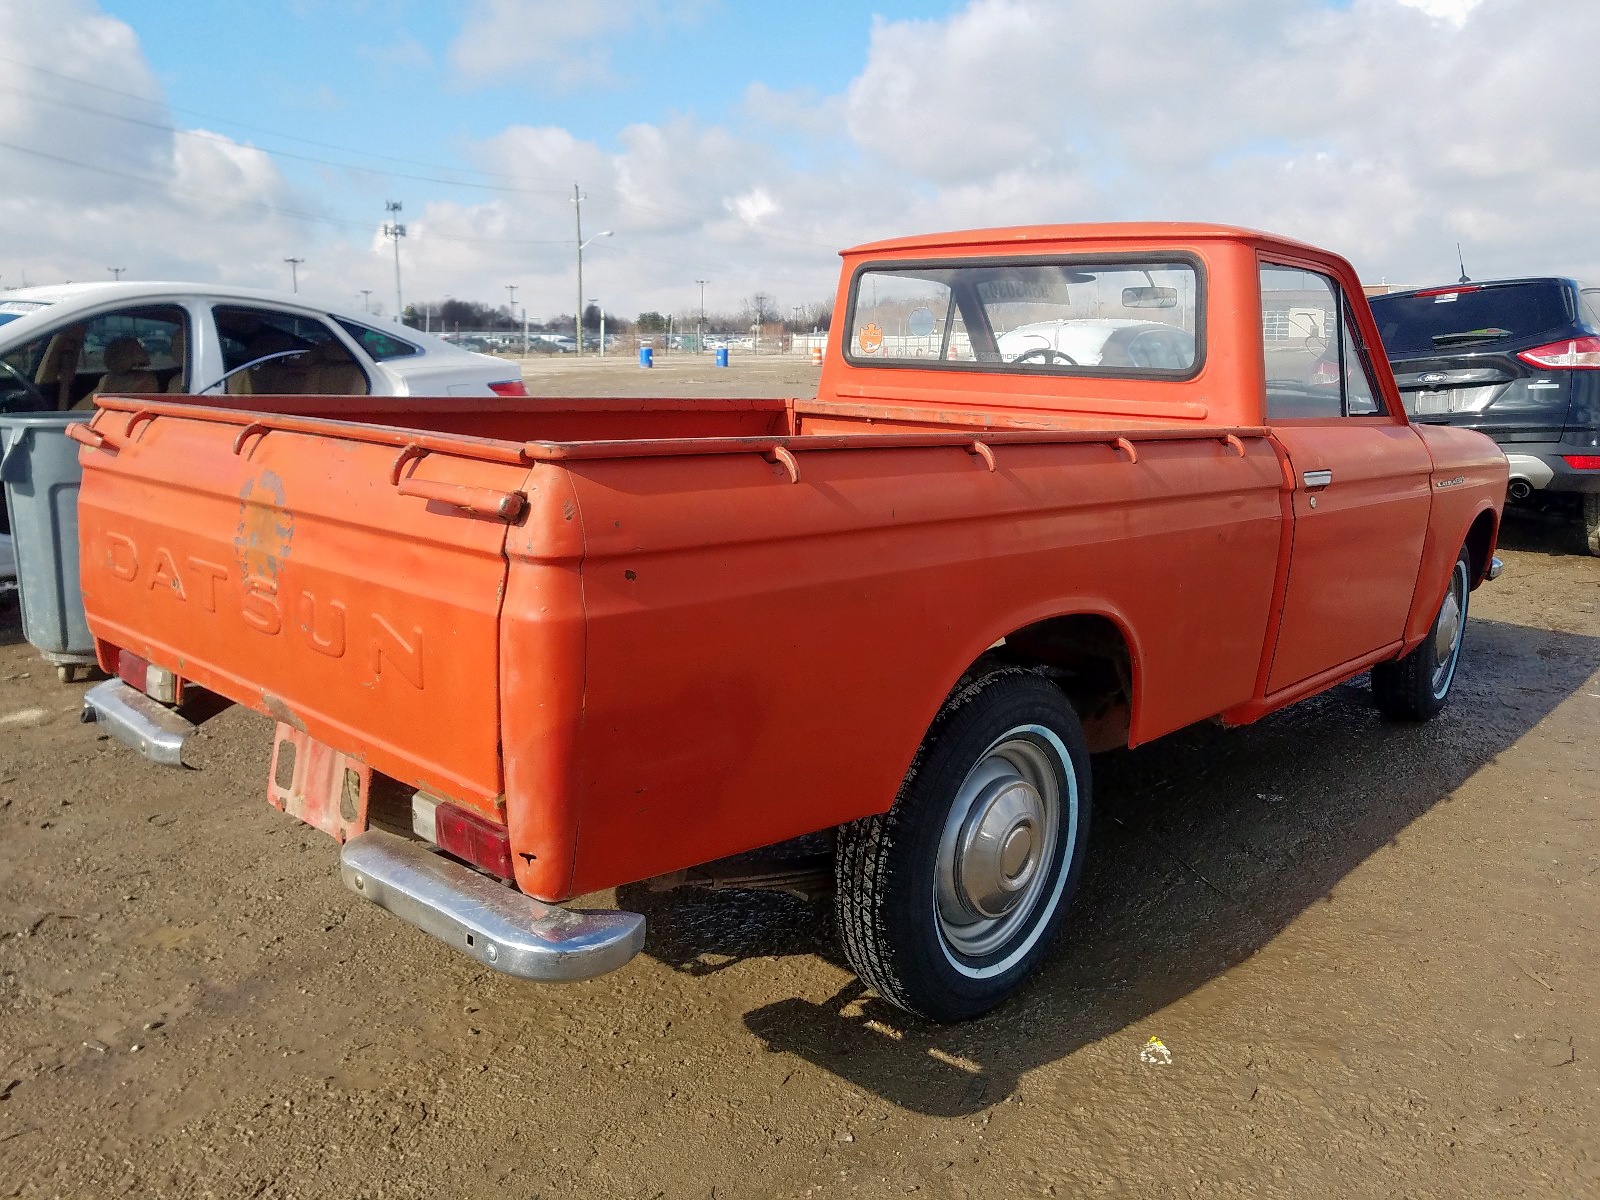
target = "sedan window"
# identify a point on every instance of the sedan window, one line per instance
(127, 350)
(379, 345)
(268, 352)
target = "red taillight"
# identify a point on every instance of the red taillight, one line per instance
(1582, 462)
(156, 682)
(468, 836)
(509, 387)
(1583, 352)
(132, 669)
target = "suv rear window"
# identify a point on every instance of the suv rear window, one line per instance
(1437, 321)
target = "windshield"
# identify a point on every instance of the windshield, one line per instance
(1132, 317)
(10, 310)
(1468, 317)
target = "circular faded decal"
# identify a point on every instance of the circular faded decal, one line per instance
(870, 338)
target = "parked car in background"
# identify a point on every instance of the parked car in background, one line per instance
(1100, 341)
(62, 346)
(1519, 360)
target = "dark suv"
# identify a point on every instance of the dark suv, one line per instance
(1519, 360)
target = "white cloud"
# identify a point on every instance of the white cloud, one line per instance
(1455, 11)
(553, 43)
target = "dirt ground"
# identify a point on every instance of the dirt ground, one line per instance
(1369, 948)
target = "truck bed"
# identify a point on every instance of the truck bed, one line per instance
(502, 602)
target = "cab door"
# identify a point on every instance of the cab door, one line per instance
(1361, 481)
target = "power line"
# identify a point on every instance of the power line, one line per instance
(619, 196)
(205, 135)
(262, 206)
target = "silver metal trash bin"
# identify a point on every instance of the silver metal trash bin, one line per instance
(39, 467)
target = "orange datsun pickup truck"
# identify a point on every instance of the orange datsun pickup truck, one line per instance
(1062, 489)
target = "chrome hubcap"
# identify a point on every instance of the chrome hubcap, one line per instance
(1447, 631)
(998, 840)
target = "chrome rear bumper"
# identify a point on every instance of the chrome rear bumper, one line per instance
(153, 729)
(482, 919)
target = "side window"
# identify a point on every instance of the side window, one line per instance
(268, 352)
(1315, 365)
(129, 350)
(1360, 394)
(376, 343)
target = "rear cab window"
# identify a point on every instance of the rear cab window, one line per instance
(1073, 315)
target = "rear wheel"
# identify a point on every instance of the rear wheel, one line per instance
(947, 902)
(1415, 687)
(1589, 521)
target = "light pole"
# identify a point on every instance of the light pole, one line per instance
(394, 230)
(582, 245)
(577, 217)
(116, 273)
(294, 273)
(366, 300)
(702, 346)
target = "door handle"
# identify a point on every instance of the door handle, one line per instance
(1317, 479)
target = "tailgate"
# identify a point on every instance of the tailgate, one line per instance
(284, 569)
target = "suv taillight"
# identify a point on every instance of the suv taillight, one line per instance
(509, 387)
(1574, 352)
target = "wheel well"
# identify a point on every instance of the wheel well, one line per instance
(1480, 539)
(1088, 657)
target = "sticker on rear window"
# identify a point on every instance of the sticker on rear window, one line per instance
(1447, 298)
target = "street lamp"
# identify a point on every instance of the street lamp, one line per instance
(294, 273)
(366, 300)
(116, 273)
(578, 320)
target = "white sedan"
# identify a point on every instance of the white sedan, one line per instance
(62, 346)
(1106, 342)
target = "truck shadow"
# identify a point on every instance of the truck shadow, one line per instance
(1206, 845)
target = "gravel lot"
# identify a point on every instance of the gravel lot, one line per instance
(1368, 948)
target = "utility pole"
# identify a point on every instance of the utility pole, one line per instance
(577, 313)
(366, 300)
(761, 317)
(511, 302)
(294, 273)
(701, 348)
(394, 230)
(116, 273)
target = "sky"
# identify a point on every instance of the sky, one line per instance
(744, 144)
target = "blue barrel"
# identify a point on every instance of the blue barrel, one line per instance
(722, 356)
(647, 356)
(39, 467)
